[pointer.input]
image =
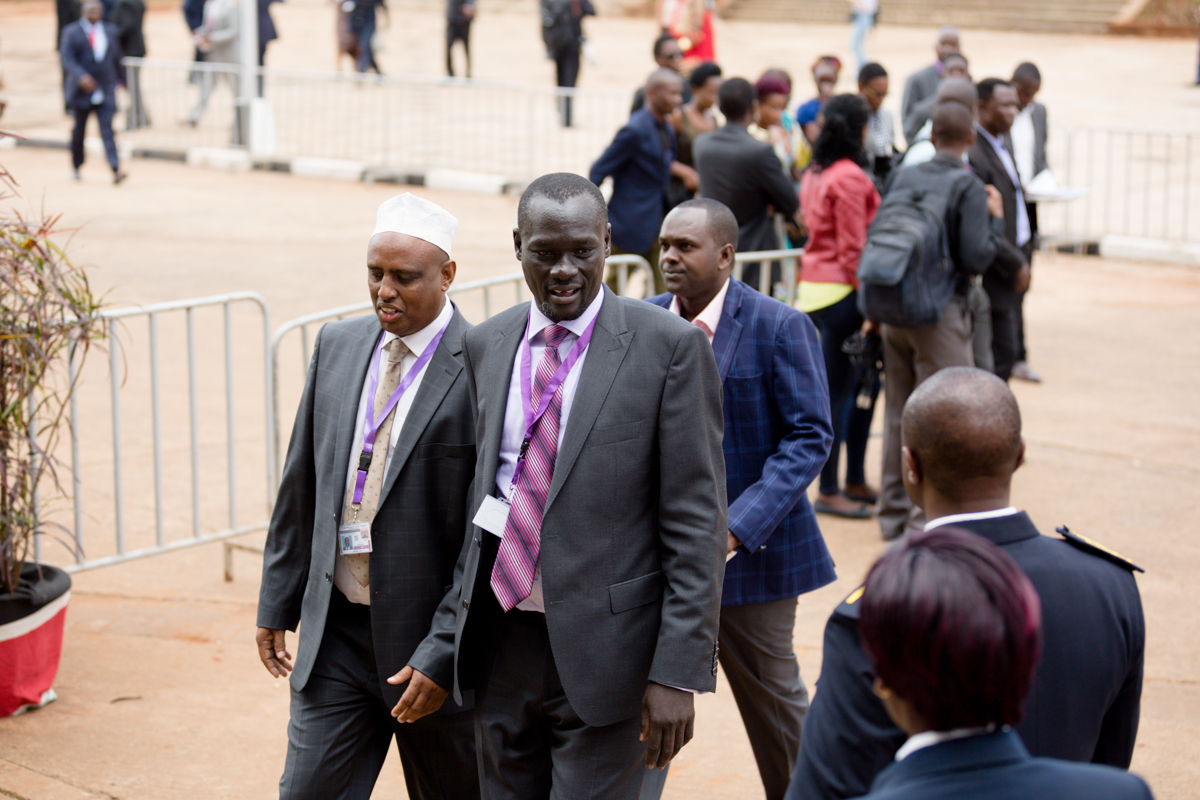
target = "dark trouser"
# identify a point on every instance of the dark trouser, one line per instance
(458, 31)
(981, 325)
(136, 116)
(1022, 355)
(651, 255)
(851, 424)
(104, 116)
(366, 53)
(1007, 324)
(566, 69)
(341, 727)
(262, 60)
(760, 664)
(910, 355)
(532, 744)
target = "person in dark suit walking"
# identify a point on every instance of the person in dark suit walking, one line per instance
(777, 436)
(744, 174)
(639, 161)
(1028, 139)
(91, 60)
(978, 621)
(267, 33)
(67, 12)
(459, 16)
(127, 16)
(962, 442)
(562, 33)
(586, 604)
(368, 524)
(922, 85)
(991, 158)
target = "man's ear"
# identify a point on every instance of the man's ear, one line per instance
(911, 465)
(517, 242)
(971, 141)
(1020, 455)
(448, 270)
(607, 239)
(725, 258)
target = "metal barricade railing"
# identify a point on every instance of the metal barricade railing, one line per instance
(119, 346)
(764, 259)
(404, 123)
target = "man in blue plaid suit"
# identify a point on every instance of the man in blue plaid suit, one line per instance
(777, 437)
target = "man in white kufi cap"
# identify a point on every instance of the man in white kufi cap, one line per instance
(368, 526)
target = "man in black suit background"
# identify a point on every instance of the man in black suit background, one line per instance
(962, 443)
(743, 173)
(384, 438)
(128, 16)
(1028, 138)
(459, 16)
(91, 59)
(991, 158)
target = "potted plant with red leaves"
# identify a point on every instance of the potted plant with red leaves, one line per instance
(46, 308)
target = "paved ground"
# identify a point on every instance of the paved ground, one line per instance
(161, 695)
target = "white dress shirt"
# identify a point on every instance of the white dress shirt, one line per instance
(99, 40)
(708, 319)
(954, 519)
(1023, 139)
(416, 343)
(1024, 232)
(920, 741)
(514, 416)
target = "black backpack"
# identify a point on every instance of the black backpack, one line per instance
(558, 25)
(906, 276)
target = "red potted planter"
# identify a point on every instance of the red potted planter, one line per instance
(31, 635)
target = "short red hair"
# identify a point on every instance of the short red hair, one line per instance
(953, 626)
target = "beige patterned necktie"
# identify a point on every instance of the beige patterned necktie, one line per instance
(359, 563)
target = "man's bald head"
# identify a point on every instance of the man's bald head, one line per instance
(957, 90)
(664, 92)
(963, 429)
(953, 124)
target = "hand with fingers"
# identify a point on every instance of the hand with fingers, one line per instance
(272, 650)
(668, 716)
(423, 696)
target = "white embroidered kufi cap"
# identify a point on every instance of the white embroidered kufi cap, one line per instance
(415, 216)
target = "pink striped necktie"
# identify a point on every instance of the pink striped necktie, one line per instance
(517, 561)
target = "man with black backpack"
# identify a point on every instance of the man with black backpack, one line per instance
(562, 33)
(938, 227)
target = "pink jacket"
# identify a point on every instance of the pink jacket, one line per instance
(837, 203)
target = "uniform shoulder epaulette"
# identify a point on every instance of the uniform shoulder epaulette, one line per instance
(849, 607)
(1095, 548)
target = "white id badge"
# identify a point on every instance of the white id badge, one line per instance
(354, 537)
(492, 516)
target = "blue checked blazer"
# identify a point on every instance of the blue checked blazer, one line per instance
(777, 438)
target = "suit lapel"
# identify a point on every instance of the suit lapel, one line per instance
(357, 364)
(493, 378)
(610, 343)
(729, 331)
(443, 369)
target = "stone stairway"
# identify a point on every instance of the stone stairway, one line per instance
(1080, 16)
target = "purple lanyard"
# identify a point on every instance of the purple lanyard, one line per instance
(371, 425)
(532, 415)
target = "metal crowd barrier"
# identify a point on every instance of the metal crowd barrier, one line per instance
(405, 123)
(118, 346)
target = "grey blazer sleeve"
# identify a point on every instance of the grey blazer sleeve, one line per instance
(693, 517)
(776, 184)
(288, 549)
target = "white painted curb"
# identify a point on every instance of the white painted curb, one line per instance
(459, 181)
(219, 158)
(335, 168)
(1134, 249)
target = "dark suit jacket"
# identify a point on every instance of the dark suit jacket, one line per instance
(999, 280)
(266, 25)
(777, 438)
(640, 166)
(78, 60)
(1086, 696)
(634, 527)
(127, 16)
(744, 174)
(418, 528)
(996, 766)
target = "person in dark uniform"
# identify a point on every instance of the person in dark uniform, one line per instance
(127, 16)
(961, 434)
(562, 33)
(459, 16)
(954, 630)
(68, 11)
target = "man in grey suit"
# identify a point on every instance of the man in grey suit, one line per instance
(586, 609)
(743, 173)
(1028, 140)
(923, 84)
(368, 525)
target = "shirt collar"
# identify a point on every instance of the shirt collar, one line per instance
(417, 342)
(87, 26)
(930, 738)
(538, 321)
(995, 141)
(953, 519)
(711, 315)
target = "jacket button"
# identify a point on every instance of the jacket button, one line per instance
(327, 578)
(465, 605)
(479, 542)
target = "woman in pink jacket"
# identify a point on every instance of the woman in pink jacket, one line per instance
(838, 202)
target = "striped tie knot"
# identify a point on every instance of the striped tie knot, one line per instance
(555, 335)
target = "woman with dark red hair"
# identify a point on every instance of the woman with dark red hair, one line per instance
(953, 628)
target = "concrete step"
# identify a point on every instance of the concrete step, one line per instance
(1049, 15)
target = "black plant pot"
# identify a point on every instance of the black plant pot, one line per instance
(31, 631)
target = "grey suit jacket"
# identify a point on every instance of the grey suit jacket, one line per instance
(744, 174)
(418, 529)
(917, 104)
(1040, 130)
(634, 529)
